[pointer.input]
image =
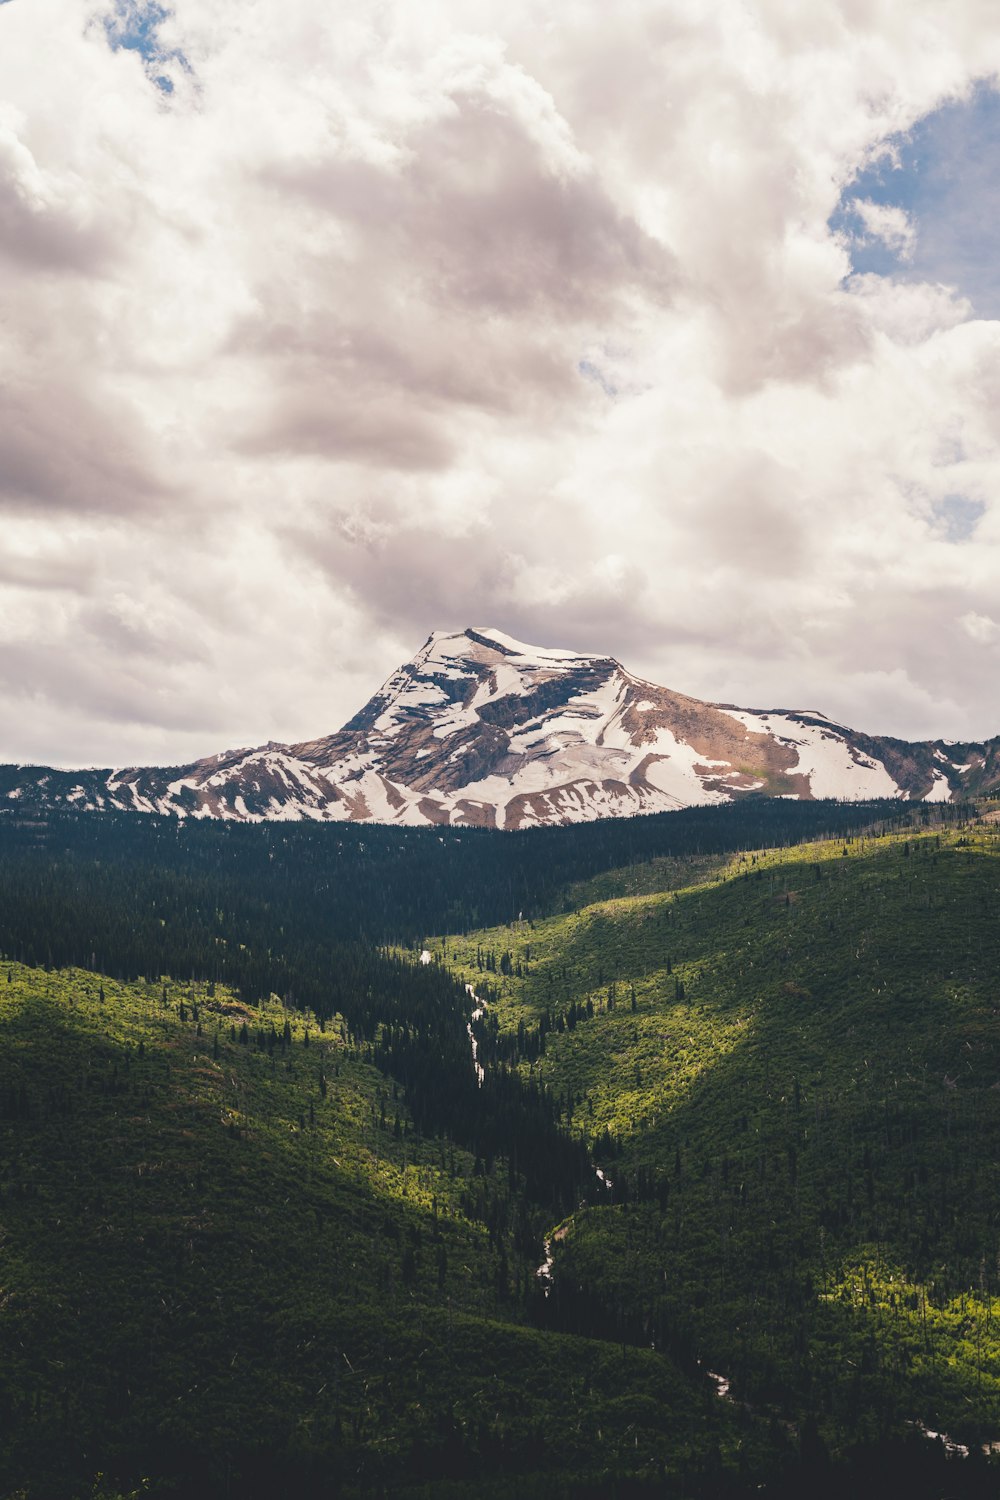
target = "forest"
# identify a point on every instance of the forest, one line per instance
(739, 1112)
(788, 1069)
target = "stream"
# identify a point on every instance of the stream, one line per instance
(544, 1270)
(951, 1447)
(478, 1012)
(477, 1015)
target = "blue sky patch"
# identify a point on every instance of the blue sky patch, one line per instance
(945, 175)
(135, 27)
(957, 516)
(590, 371)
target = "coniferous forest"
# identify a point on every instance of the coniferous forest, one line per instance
(654, 1157)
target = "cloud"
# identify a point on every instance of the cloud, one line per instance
(980, 628)
(924, 208)
(375, 322)
(889, 224)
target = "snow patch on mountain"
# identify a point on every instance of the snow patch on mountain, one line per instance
(480, 728)
(834, 768)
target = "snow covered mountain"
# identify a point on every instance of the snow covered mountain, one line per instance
(481, 729)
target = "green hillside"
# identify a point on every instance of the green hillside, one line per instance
(251, 1247)
(788, 1064)
(228, 1265)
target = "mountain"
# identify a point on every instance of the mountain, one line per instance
(480, 729)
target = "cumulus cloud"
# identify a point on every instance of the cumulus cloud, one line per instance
(980, 628)
(889, 224)
(321, 331)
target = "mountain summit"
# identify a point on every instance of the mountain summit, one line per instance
(482, 729)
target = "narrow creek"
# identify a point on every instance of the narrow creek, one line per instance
(544, 1270)
(479, 1010)
(951, 1447)
(477, 1015)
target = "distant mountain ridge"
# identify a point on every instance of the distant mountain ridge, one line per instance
(481, 729)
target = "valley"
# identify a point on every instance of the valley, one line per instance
(706, 1108)
(789, 1070)
(548, 1059)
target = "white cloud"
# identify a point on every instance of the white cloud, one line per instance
(980, 628)
(292, 362)
(908, 312)
(887, 223)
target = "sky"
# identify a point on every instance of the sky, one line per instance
(663, 331)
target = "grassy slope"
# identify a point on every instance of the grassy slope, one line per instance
(814, 1127)
(211, 1269)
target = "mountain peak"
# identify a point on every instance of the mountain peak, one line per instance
(451, 644)
(481, 728)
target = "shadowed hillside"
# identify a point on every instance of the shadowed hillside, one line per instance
(790, 1070)
(231, 1266)
(262, 1228)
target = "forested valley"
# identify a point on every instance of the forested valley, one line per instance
(638, 1158)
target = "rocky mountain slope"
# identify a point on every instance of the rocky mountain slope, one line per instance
(481, 729)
